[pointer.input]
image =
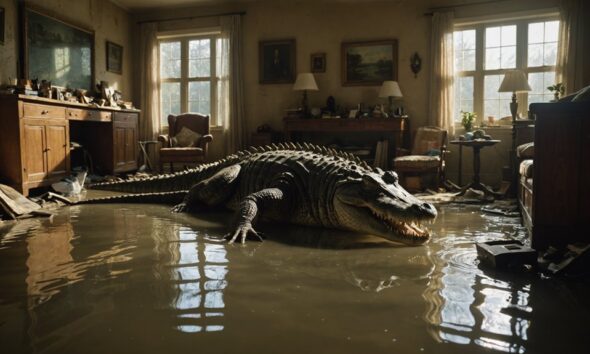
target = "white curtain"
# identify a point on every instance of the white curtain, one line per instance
(230, 100)
(569, 53)
(149, 83)
(442, 72)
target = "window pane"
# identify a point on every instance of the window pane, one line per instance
(170, 60)
(508, 57)
(199, 97)
(535, 55)
(464, 43)
(169, 100)
(536, 31)
(493, 57)
(496, 104)
(463, 96)
(200, 58)
(549, 53)
(493, 37)
(539, 83)
(551, 31)
(508, 35)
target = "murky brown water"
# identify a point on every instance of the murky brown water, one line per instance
(137, 279)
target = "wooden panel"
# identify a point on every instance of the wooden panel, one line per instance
(88, 115)
(32, 110)
(57, 150)
(34, 152)
(11, 168)
(130, 145)
(119, 148)
(125, 117)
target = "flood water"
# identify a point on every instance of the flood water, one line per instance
(138, 279)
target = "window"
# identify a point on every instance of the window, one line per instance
(484, 52)
(188, 76)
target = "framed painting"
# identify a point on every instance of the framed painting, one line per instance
(114, 58)
(2, 21)
(369, 63)
(276, 61)
(57, 51)
(318, 63)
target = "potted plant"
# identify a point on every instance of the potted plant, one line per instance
(558, 89)
(467, 119)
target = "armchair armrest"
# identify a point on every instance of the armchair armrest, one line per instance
(204, 140)
(165, 140)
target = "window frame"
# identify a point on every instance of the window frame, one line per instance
(479, 74)
(185, 79)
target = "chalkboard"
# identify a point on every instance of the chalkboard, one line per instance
(58, 52)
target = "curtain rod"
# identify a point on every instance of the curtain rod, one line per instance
(432, 10)
(241, 13)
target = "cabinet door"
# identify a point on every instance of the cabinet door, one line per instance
(130, 145)
(119, 148)
(34, 150)
(57, 148)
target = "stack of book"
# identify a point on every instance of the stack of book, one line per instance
(381, 154)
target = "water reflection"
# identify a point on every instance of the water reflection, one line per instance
(468, 306)
(198, 271)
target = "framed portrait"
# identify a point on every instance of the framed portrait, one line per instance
(114, 58)
(277, 61)
(318, 63)
(2, 21)
(369, 63)
(57, 51)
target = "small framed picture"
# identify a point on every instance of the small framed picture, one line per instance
(318, 63)
(2, 17)
(114, 58)
(353, 113)
(369, 63)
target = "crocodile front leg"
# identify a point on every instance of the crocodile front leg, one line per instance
(253, 206)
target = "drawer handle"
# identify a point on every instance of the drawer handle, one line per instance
(47, 149)
(44, 112)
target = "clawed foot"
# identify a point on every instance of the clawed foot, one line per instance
(179, 208)
(242, 232)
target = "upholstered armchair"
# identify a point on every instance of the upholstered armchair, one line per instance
(426, 157)
(187, 140)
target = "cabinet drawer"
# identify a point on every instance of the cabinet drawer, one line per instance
(32, 110)
(87, 114)
(125, 117)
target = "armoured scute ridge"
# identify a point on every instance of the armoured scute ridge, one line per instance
(297, 183)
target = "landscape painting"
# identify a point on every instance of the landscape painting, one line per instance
(369, 63)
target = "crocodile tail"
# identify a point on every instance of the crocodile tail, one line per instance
(172, 198)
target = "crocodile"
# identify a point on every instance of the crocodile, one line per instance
(296, 183)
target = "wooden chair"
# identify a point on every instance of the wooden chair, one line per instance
(426, 157)
(192, 148)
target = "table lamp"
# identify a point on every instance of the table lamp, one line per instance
(514, 81)
(305, 82)
(390, 89)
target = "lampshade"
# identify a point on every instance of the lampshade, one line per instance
(390, 89)
(514, 81)
(305, 81)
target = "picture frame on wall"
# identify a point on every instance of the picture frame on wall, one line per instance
(114, 57)
(2, 24)
(369, 63)
(276, 61)
(318, 63)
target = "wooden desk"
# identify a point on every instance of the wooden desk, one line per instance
(396, 128)
(36, 134)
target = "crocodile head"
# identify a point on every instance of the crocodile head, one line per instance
(376, 204)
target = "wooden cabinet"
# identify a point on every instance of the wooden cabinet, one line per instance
(35, 139)
(125, 142)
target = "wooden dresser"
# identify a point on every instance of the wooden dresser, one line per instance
(36, 132)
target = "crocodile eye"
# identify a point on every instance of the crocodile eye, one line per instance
(390, 177)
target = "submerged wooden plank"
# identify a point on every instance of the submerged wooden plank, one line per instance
(15, 203)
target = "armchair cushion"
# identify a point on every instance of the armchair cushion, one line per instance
(185, 138)
(526, 151)
(526, 168)
(416, 162)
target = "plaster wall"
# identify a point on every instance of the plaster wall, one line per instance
(108, 21)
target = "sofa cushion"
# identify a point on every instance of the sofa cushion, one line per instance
(526, 151)
(185, 138)
(526, 168)
(416, 162)
(582, 95)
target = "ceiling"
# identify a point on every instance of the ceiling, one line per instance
(149, 4)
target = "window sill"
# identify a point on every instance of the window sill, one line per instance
(216, 128)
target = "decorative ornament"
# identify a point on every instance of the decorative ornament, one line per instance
(415, 64)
